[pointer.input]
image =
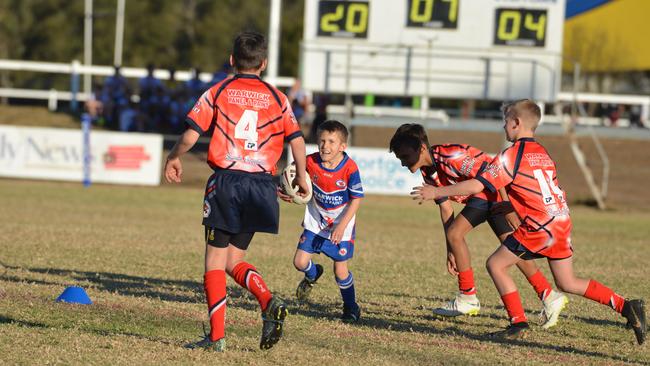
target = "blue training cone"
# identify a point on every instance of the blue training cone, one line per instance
(74, 295)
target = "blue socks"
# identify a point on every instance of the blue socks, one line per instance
(347, 291)
(310, 271)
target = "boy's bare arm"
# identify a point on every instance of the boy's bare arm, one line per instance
(173, 166)
(429, 192)
(446, 214)
(447, 217)
(300, 158)
(348, 214)
(505, 208)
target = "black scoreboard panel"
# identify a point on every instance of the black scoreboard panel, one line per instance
(520, 27)
(432, 14)
(347, 19)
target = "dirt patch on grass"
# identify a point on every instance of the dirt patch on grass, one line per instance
(35, 117)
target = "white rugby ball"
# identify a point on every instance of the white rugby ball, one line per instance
(288, 175)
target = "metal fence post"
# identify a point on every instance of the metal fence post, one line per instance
(74, 85)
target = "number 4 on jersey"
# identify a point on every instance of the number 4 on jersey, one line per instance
(548, 187)
(246, 129)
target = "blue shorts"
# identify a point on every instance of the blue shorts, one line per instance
(240, 202)
(312, 243)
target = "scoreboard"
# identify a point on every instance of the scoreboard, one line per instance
(476, 49)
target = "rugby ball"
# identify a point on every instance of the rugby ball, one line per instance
(286, 180)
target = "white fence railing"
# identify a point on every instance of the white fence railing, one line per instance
(76, 68)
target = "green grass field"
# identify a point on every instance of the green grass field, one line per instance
(139, 252)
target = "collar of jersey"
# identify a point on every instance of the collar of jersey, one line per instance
(527, 139)
(246, 76)
(432, 159)
(345, 158)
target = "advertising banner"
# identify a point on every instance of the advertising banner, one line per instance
(381, 172)
(57, 154)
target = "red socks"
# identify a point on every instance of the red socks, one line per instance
(604, 295)
(515, 309)
(247, 277)
(540, 284)
(466, 282)
(214, 283)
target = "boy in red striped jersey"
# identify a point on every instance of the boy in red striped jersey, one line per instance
(251, 121)
(530, 176)
(448, 164)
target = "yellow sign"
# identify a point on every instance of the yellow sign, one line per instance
(611, 37)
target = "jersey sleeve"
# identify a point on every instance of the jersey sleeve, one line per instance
(355, 188)
(465, 160)
(289, 121)
(200, 116)
(498, 173)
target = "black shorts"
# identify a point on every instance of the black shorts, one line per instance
(241, 202)
(477, 216)
(519, 250)
(221, 239)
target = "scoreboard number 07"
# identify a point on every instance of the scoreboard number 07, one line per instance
(432, 14)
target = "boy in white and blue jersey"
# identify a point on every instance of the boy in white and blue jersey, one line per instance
(330, 216)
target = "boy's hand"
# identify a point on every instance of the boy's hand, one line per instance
(283, 195)
(303, 187)
(513, 220)
(173, 170)
(451, 264)
(337, 234)
(423, 193)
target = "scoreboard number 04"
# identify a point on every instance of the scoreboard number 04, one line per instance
(520, 27)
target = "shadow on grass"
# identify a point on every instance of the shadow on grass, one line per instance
(600, 322)
(370, 320)
(101, 332)
(126, 285)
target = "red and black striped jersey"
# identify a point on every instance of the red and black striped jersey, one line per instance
(530, 176)
(453, 163)
(251, 120)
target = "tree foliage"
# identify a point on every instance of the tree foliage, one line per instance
(169, 33)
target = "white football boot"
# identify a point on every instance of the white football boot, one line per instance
(553, 306)
(461, 305)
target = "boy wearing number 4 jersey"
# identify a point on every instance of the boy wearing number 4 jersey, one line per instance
(530, 177)
(251, 121)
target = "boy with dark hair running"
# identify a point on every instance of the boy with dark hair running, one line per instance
(530, 176)
(443, 165)
(251, 120)
(330, 216)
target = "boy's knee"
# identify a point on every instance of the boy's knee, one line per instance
(230, 267)
(491, 265)
(564, 285)
(455, 236)
(488, 265)
(300, 263)
(341, 272)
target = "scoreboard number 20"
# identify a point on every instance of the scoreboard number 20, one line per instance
(347, 19)
(520, 27)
